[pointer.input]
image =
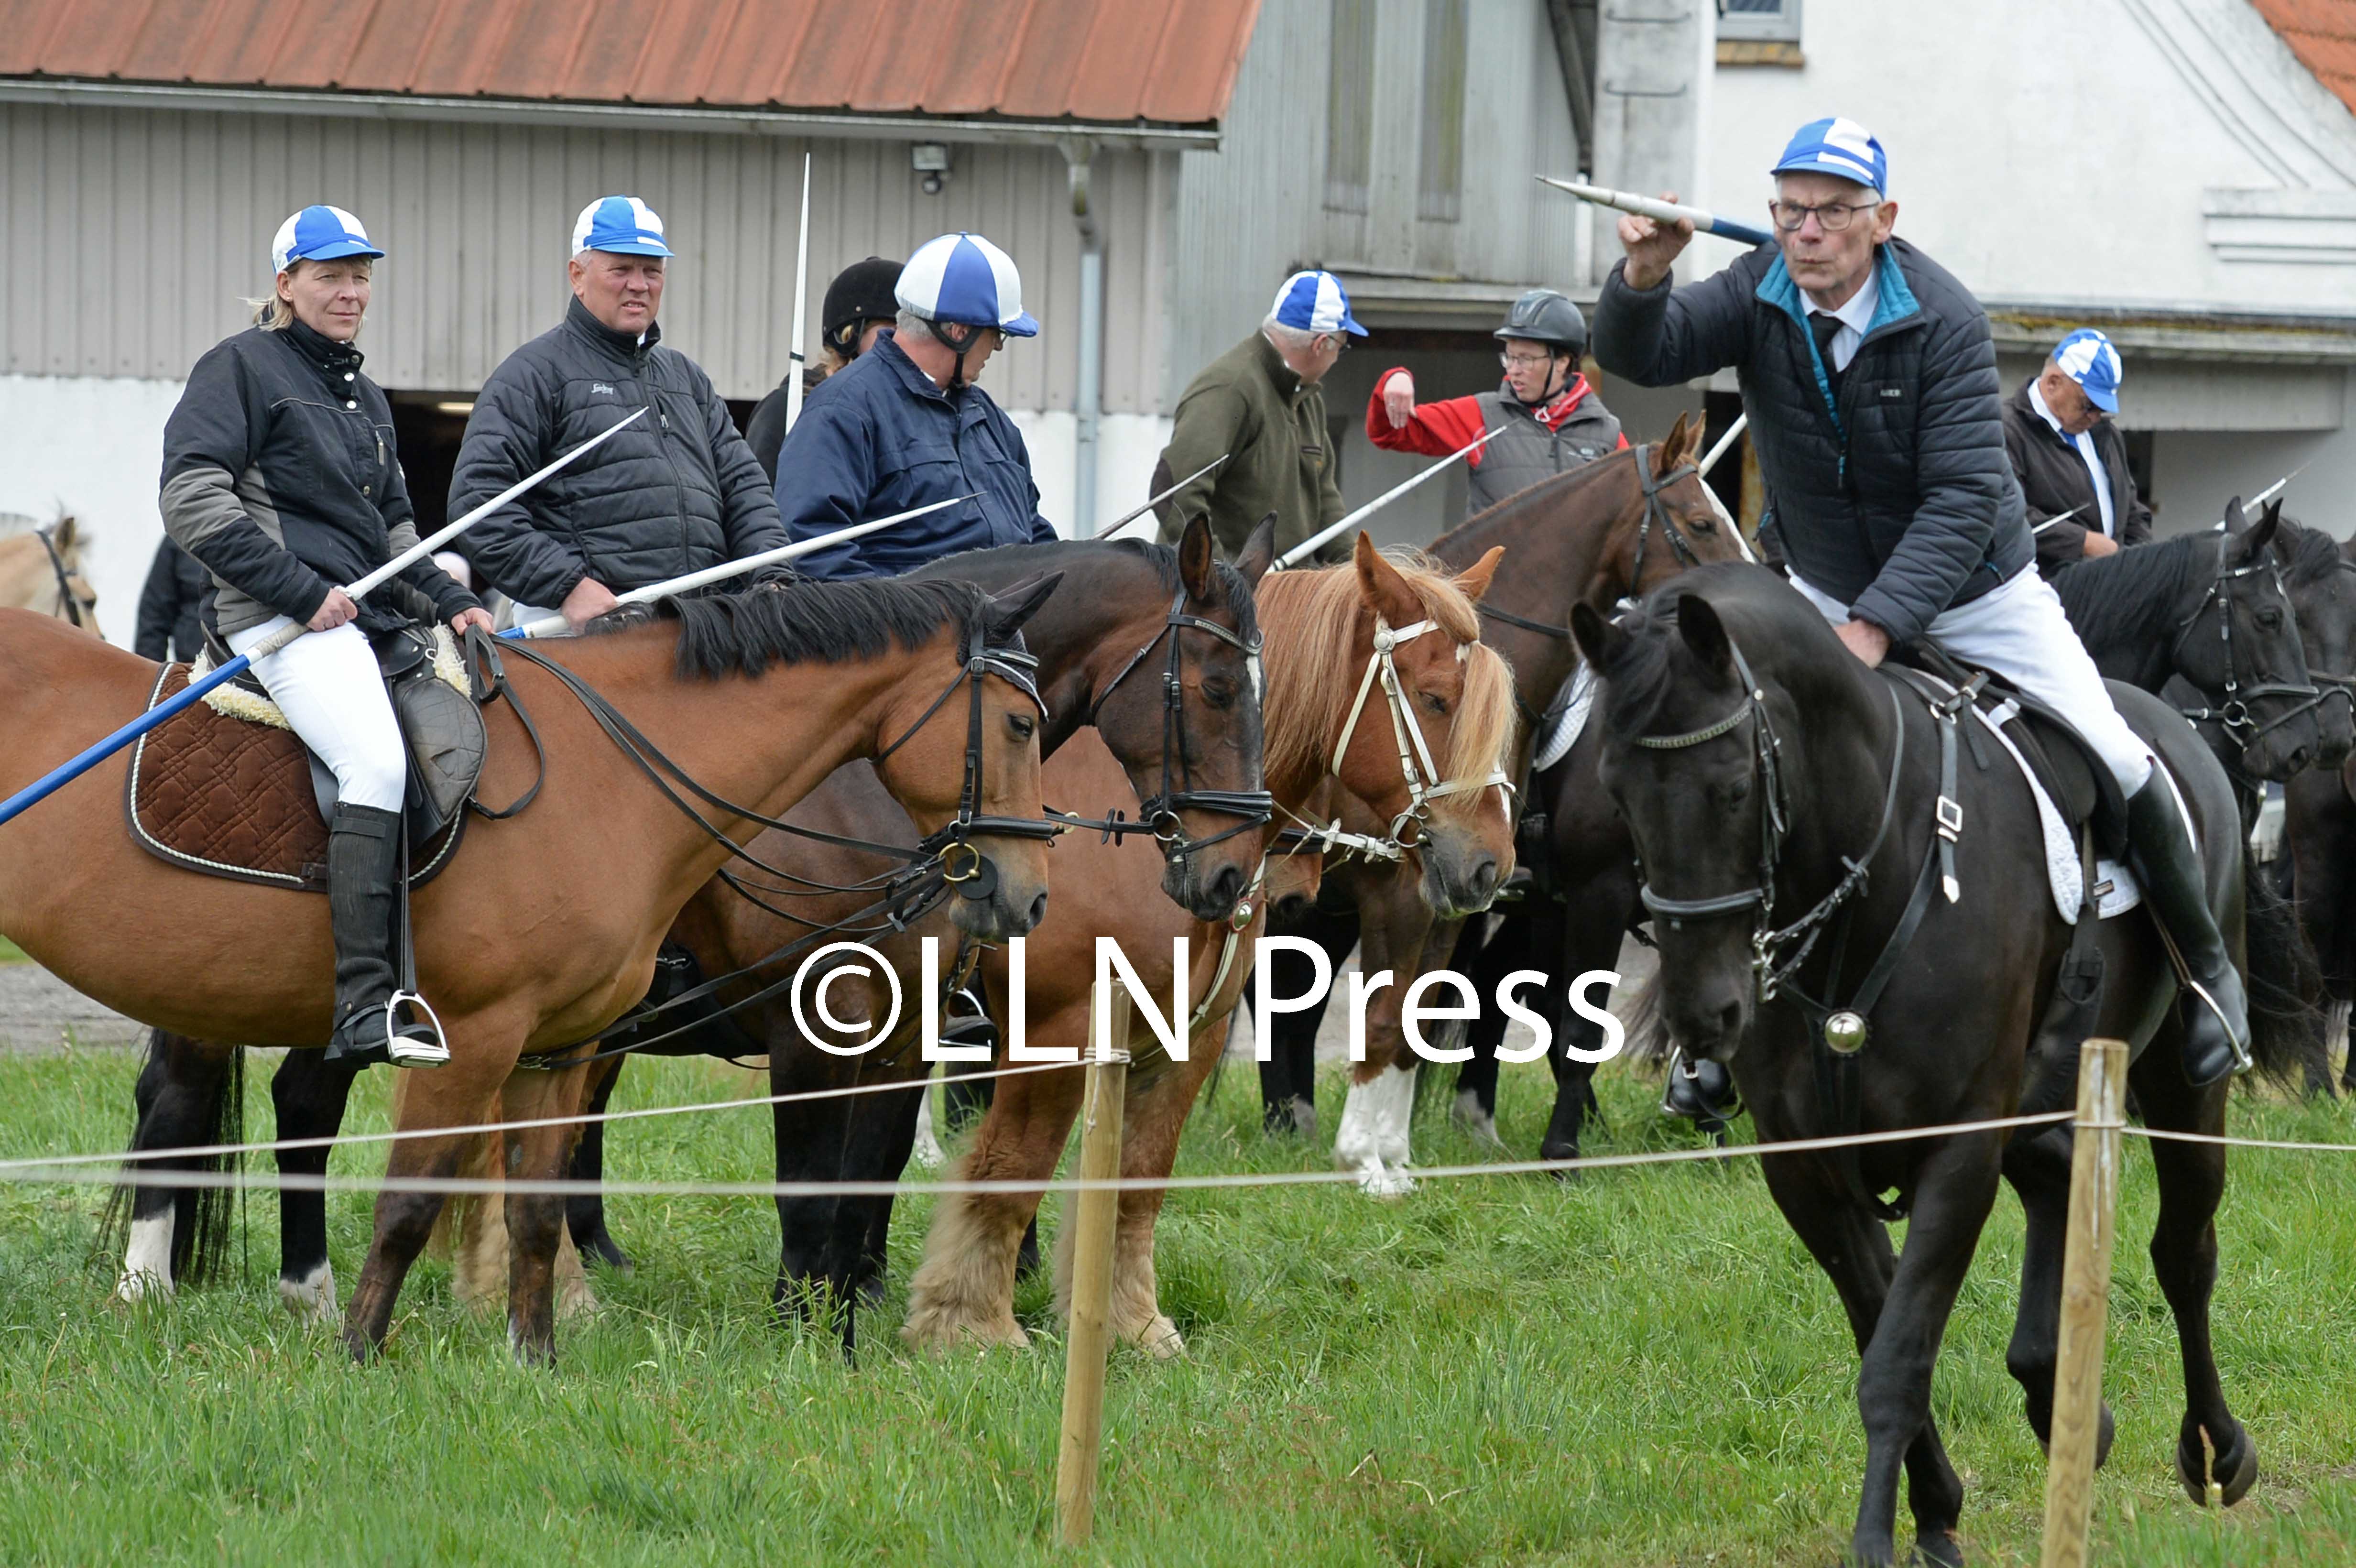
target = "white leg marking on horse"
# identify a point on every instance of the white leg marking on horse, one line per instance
(313, 1297)
(1468, 1113)
(1373, 1138)
(928, 1154)
(147, 1261)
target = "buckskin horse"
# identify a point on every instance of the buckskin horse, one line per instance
(546, 926)
(1330, 634)
(40, 571)
(1749, 750)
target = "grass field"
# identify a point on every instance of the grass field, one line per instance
(1642, 1367)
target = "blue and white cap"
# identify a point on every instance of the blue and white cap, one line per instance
(622, 224)
(1314, 302)
(320, 234)
(1836, 146)
(2087, 358)
(965, 279)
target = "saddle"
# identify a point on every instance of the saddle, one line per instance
(224, 788)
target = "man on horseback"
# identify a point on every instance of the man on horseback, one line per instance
(279, 476)
(904, 426)
(1869, 379)
(1551, 418)
(673, 493)
(2071, 460)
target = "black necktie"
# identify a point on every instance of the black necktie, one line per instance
(1826, 328)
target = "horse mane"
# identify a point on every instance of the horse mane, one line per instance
(1235, 593)
(821, 623)
(1310, 619)
(2126, 598)
(2309, 555)
(1542, 494)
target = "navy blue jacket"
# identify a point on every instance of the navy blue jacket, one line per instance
(1895, 495)
(878, 438)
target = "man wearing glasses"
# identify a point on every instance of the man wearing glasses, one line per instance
(2071, 460)
(1260, 405)
(1870, 381)
(1551, 418)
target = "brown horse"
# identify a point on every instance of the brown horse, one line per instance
(40, 571)
(546, 927)
(1323, 630)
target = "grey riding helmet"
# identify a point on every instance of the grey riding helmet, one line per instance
(1545, 316)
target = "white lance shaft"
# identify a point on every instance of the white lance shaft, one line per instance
(557, 625)
(1741, 422)
(1316, 542)
(794, 357)
(1113, 528)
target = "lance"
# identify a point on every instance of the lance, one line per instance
(50, 782)
(1660, 211)
(2265, 494)
(2059, 517)
(1311, 545)
(801, 305)
(557, 625)
(1741, 422)
(1152, 501)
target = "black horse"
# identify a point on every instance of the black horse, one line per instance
(1780, 792)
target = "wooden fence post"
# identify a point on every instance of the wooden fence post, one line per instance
(1092, 1220)
(2085, 1303)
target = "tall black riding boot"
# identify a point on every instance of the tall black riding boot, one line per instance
(2216, 1014)
(363, 858)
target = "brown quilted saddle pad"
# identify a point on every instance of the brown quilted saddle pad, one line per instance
(232, 798)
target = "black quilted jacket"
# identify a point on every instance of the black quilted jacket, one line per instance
(1895, 497)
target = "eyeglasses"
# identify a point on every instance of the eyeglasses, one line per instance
(1834, 216)
(1524, 361)
(1339, 340)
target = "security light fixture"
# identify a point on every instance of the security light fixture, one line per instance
(930, 159)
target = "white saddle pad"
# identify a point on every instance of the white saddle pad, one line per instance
(2116, 891)
(1563, 733)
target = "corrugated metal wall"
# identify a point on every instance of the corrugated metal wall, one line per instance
(1249, 213)
(133, 234)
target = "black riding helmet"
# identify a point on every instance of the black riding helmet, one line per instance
(1543, 315)
(860, 293)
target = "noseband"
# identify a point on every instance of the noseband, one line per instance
(1424, 784)
(1159, 816)
(2233, 713)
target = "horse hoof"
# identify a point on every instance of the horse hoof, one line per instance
(1161, 1340)
(2234, 1465)
(137, 1285)
(311, 1300)
(2107, 1430)
(1376, 1180)
(602, 1248)
(939, 1336)
(1939, 1551)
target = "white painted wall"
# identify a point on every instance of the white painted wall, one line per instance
(1127, 445)
(92, 446)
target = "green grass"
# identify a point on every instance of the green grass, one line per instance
(1642, 1367)
(10, 952)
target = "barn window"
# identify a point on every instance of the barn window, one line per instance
(1441, 182)
(1765, 21)
(1350, 107)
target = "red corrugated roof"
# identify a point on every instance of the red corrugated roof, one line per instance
(2323, 33)
(1169, 62)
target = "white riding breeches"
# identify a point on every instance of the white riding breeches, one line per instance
(329, 686)
(2020, 630)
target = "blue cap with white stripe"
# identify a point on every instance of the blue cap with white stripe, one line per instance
(2087, 358)
(1314, 302)
(1836, 146)
(621, 224)
(964, 280)
(320, 234)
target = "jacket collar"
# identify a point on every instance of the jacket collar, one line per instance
(887, 351)
(1560, 407)
(322, 350)
(2025, 400)
(624, 346)
(1286, 379)
(1896, 306)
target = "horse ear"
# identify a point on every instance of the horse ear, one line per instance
(1474, 579)
(1006, 612)
(2237, 516)
(1259, 551)
(1384, 592)
(1672, 450)
(1197, 566)
(1601, 641)
(67, 535)
(2252, 542)
(1704, 634)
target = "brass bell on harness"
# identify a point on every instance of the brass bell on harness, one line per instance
(1844, 1033)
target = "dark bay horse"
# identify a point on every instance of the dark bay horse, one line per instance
(1748, 748)
(1115, 598)
(546, 927)
(1321, 630)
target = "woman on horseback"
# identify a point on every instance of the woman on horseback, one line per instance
(279, 476)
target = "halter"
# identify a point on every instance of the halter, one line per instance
(2233, 713)
(1424, 784)
(69, 603)
(1158, 814)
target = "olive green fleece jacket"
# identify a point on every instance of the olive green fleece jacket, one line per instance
(1250, 405)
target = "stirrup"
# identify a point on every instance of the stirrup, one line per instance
(2243, 1061)
(408, 1049)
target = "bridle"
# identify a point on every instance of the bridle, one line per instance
(1424, 783)
(2233, 713)
(1158, 814)
(70, 605)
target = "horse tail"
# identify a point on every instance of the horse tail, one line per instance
(1648, 1029)
(2286, 1022)
(201, 1216)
